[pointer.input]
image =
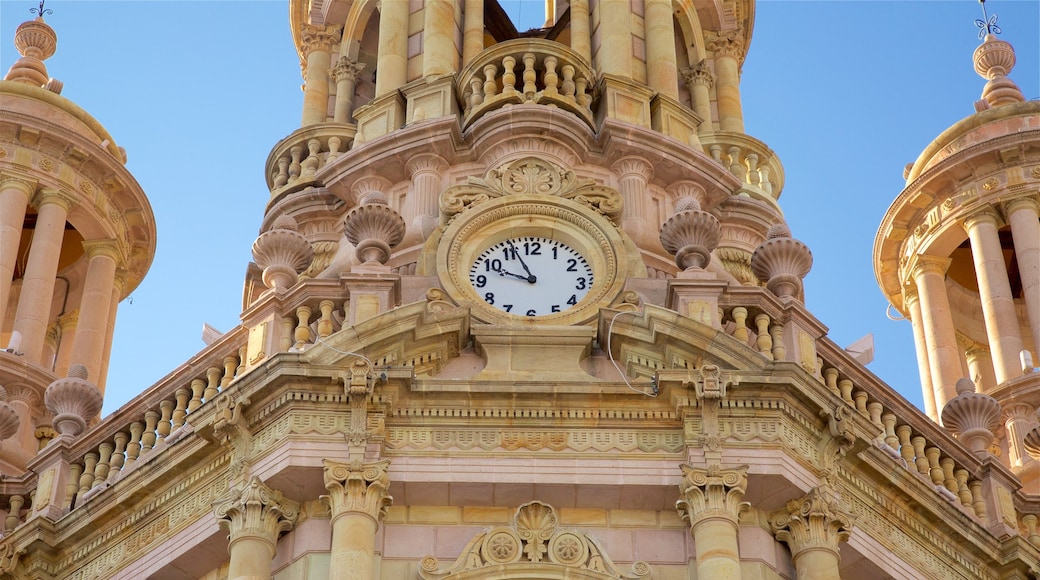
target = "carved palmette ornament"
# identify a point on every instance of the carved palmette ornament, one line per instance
(534, 540)
(283, 253)
(781, 262)
(73, 400)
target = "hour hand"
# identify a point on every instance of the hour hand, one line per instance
(502, 272)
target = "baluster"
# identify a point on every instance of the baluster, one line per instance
(906, 449)
(285, 341)
(763, 174)
(529, 76)
(920, 459)
(581, 95)
(830, 376)
(776, 332)
(325, 322)
(934, 471)
(716, 153)
(294, 165)
(861, 402)
(962, 487)
(230, 365)
(282, 177)
(197, 386)
(213, 378)
(241, 361)
(1030, 520)
(735, 166)
(115, 465)
(551, 79)
(948, 479)
(889, 421)
(476, 95)
(13, 516)
(310, 165)
(845, 388)
(133, 448)
(303, 331)
(568, 81)
(764, 342)
(87, 479)
(334, 143)
(490, 84)
(978, 503)
(73, 484)
(752, 168)
(163, 428)
(151, 419)
(874, 410)
(740, 333)
(101, 469)
(181, 412)
(508, 75)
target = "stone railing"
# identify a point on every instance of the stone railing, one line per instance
(750, 160)
(296, 159)
(161, 416)
(527, 71)
(13, 509)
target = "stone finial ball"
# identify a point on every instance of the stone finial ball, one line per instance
(964, 386)
(372, 197)
(687, 203)
(778, 231)
(285, 222)
(78, 372)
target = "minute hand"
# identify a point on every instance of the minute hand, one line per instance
(531, 278)
(505, 273)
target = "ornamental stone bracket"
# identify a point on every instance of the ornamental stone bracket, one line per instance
(710, 386)
(533, 546)
(358, 389)
(231, 428)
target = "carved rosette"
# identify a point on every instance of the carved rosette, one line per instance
(712, 493)
(374, 228)
(782, 262)
(255, 511)
(9, 421)
(994, 60)
(73, 400)
(817, 521)
(972, 416)
(359, 488)
(691, 235)
(282, 252)
(534, 538)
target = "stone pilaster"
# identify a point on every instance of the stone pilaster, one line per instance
(813, 527)
(254, 515)
(358, 500)
(710, 501)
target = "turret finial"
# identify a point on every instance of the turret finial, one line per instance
(987, 24)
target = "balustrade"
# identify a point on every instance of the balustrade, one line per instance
(296, 159)
(750, 160)
(527, 71)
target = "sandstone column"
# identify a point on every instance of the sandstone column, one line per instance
(940, 338)
(1018, 421)
(728, 50)
(615, 38)
(254, 515)
(661, 71)
(358, 499)
(980, 367)
(392, 60)
(117, 294)
(345, 73)
(92, 329)
(699, 81)
(1025, 231)
(913, 304)
(439, 56)
(34, 304)
(317, 47)
(633, 177)
(581, 29)
(473, 30)
(15, 194)
(998, 305)
(813, 527)
(425, 171)
(710, 501)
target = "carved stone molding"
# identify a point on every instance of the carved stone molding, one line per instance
(254, 510)
(536, 544)
(359, 488)
(818, 521)
(712, 493)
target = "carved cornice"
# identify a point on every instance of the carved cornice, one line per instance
(712, 493)
(358, 488)
(255, 511)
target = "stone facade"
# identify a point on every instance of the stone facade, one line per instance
(561, 335)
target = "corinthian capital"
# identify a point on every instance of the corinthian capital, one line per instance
(817, 521)
(698, 75)
(712, 493)
(319, 37)
(256, 511)
(346, 69)
(359, 488)
(729, 43)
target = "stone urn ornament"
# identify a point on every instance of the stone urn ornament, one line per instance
(282, 252)
(74, 401)
(691, 234)
(374, 228)
(782, 262)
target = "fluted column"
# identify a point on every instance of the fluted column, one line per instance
(317, 47)
(615, 38)
(661, 72)
(728, 48)
(392, 60)
(425, 170)
(944, 362)
(92, 329)
(439, 56)
(710, 501)
(34, 303)
(633, 177)
(15, 194)
(1025, 231)
(472, 30)
(913, 304)
(699, 81)
(254, 515)
(998, 305)
(581, 29)
(358, 500)
(1018, 420)
(813, 527)
(345, 72)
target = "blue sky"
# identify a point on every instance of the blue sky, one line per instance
(846, 93)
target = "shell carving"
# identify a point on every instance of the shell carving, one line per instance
(283, 253)
(9, 421)
(972, 416)
(691, 235)
(781, 262)
(1032, 443)
(374, 229)
(73, 400)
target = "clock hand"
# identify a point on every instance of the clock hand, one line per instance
(531, 278)
(502, 272)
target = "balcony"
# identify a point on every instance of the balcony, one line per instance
(296, 159)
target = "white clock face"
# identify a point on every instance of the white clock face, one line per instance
(531, 276)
